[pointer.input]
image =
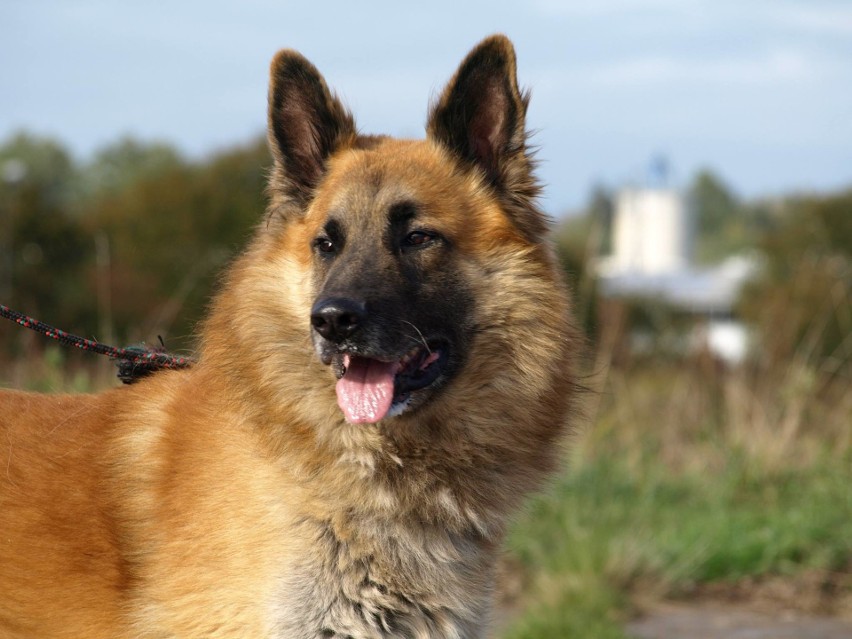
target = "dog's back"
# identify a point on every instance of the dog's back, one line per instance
(57, 543)
(130, 512)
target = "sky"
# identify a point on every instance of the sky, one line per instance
(758, 91)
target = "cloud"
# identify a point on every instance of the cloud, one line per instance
(610, 7)
(775, 67)
(779, 66)
(819, 19)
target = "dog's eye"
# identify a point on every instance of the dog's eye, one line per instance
(418, 238)
(325, 245)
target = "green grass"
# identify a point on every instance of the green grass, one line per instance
(636, 516)
(606, 530)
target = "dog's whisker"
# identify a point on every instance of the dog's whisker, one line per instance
(420, 334)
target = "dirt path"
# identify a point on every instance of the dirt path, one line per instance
(814, 604)
(721, 621)
(811, 605)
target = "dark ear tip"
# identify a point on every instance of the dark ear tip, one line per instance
(283, 58)
(288, 63)
(497, 46)
(497, 41)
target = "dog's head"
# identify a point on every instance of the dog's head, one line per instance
(395, 272)
(394, 232)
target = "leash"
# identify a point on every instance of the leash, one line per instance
(133, 362)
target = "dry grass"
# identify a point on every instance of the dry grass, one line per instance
(689, 475)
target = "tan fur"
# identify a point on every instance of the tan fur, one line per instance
(233, 500)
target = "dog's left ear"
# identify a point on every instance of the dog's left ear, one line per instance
(480, 117)
(307, 124)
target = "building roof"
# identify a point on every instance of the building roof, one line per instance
(698, 290)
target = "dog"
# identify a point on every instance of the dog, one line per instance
(384, 374)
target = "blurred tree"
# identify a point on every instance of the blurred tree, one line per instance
(724, 225)
(801, 304)
(601, 209)
(170, 231)
(33, 160)
(44, 246)
(714, 204)
(719, 223)
(116, 166)
(162, 227)
(580, 239)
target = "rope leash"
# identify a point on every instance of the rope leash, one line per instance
(133, 362)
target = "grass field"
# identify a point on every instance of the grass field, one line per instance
(685, 475)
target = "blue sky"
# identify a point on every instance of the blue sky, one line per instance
(758, 91)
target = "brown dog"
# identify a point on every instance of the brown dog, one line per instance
(383, 376)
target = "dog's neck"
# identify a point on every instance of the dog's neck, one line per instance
(386, 570)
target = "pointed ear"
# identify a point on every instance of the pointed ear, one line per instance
(306, 125)
(480, 117)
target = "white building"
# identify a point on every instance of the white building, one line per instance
(651, 232)
(652, 239)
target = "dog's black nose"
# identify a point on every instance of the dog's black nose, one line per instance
(336, 318)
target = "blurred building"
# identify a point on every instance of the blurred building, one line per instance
(650, 233)
(652, 238)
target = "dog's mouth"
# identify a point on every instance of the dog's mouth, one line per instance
(369, 389)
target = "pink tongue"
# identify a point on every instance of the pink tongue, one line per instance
(365, 392)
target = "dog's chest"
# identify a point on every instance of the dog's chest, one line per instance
(349, 590)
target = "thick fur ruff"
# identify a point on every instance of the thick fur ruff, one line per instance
(269, 491)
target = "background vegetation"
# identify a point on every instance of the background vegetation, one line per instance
(692, 476)
(685, 473)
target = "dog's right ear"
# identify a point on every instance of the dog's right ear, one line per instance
(307, 123)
